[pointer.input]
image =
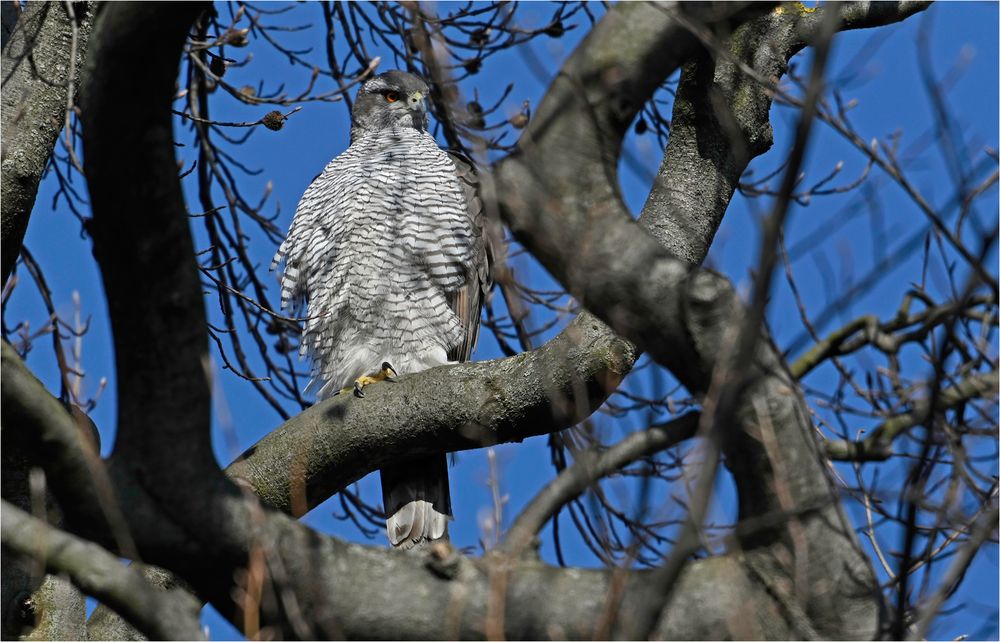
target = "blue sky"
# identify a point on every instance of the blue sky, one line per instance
(878, 68)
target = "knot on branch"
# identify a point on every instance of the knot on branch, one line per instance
(710, 310)
(443, 560)
(710, 306)
(705, 288)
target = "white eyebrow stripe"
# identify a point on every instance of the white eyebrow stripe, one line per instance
(376, 84)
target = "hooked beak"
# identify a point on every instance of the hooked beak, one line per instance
(417, 105)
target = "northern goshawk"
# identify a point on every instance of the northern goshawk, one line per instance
(387, 257)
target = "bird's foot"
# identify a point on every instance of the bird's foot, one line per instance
(386, 372)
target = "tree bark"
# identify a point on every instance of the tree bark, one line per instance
(159, 614)
(37, 60)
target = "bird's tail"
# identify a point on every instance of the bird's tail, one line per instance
(417, 500)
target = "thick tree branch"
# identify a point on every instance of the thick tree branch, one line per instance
(152, 284)
(775, 461)
(36, 79)
(159, 614)
(35, 606)
(36, 424)
(721, 115)
(105, 624)
(732, 373)
(451, 408)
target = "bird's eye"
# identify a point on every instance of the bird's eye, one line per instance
(391, 97)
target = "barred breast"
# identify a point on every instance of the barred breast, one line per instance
(378, 242)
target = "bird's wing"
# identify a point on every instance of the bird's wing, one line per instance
(308, 248)
(467, 301)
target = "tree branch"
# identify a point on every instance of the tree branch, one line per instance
(36, 424)
(877, 446)
(471, 405)
(36, 78)
(159, 614)
(983, 528)
(34, 604)
(588, 468)
(105, 624)
(889, 336)
(153, 289)
(681, 320)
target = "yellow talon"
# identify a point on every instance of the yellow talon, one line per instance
(387, 372)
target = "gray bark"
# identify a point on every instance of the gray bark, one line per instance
(106, 624)
(721, 119)
(336, 442)
(159, 614)
(36, 79)
(35, 606)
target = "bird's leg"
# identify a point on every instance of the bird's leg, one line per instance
(386, 372)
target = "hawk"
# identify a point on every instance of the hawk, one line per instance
(387, 257)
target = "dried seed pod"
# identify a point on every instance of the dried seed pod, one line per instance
(520, 121)
(237, 37)
(273, 120)
(479, 37)
(473, 65)
(218, 67)
(283, 345)
(475, 111)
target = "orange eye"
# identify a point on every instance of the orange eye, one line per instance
(391, 97)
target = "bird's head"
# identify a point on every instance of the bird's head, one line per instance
(392, 99)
